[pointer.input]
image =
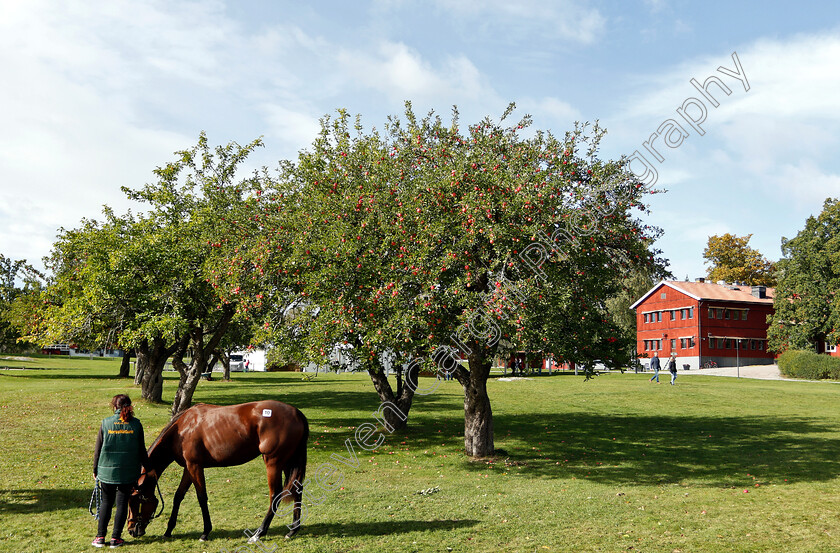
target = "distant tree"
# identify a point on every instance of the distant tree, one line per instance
(807, 308)
(732, 260)
(239, 336)
(19, 282)
(634, 287)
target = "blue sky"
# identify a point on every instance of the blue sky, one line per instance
(97, 94)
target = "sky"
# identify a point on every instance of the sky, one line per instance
(96, 94)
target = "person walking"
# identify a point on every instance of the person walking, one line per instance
(118, 455)
(654, 365)
(672, 367)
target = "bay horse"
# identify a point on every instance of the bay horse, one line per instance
(224, 436)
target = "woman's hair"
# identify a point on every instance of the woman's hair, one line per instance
(123, 403)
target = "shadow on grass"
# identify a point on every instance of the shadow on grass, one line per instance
(43, 500)
(335, 402)
(711, 451)
(337, 529)
(338, 410)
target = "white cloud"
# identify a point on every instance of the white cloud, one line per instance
(75, 74)
(560, 111)
(296, 128)
(400, 73)
(806, 183)
(768, 158)
(656, 5)
(566, 20)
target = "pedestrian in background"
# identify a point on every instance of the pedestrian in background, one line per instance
(654, 365)
(672, 367)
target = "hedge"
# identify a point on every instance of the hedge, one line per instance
(809, 365)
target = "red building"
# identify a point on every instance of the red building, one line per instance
(824, 347)
(705, 322)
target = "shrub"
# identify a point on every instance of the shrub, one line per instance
(809, 365)
(275, 361)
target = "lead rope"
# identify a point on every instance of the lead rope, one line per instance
(95, 498)
(157, 485)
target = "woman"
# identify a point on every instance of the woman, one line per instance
(672, 367)
(119, 453)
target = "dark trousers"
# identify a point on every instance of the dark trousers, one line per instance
(110, 493)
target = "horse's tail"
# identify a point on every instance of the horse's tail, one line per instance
(296, 465)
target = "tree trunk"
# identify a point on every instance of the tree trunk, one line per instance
(125, 364)
(225, 359)
(186, 386)
(150, 361)
(213, 360)
(186, 373)
(201, 351)
(403, 398)
(139, 367)
(478, 416)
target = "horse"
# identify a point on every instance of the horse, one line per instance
(224, 436)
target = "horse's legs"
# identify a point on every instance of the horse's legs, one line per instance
(185, 484)
(275, 488)
(197, 476)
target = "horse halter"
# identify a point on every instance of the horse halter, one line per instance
(146, 499)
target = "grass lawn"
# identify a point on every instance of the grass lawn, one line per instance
(614, 464)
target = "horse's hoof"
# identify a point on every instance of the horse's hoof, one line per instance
(167, 534)
(203, 537)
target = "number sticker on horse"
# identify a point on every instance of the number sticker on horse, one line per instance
(266, 412)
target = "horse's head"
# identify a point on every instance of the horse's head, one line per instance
(142, 504)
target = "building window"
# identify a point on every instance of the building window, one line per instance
(726, 314)
(744, 315)
(720, 313)
(761, 345)
(691, 342)
(682, 343)
(659, 316)
(711, 343)
(720, 343)
(646, 317)
(728, 343)
(673, 344)
(662, 295)
(830, 349)
(690, 312)
(682, 314)
(711, 313)
(752, 344)
(673, 315)
(659, 344)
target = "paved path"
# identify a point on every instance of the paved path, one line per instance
(764, 372)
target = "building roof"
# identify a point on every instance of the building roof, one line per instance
(713, 291)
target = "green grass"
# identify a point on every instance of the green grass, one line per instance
(613, 464)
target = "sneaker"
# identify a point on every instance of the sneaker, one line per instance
(98, 542)
(116, 542)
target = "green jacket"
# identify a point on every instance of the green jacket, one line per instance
(120, 451)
